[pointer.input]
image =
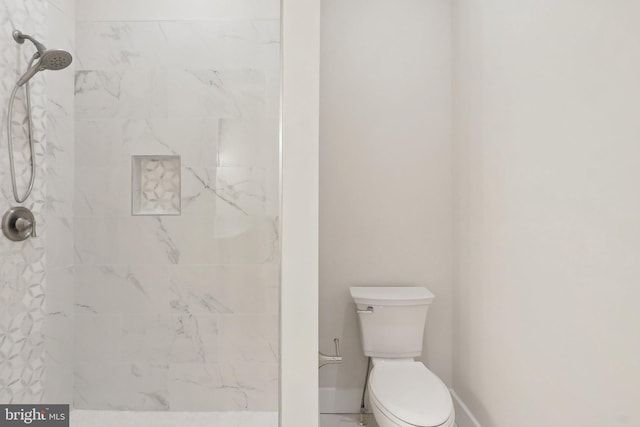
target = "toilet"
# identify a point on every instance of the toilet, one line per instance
(402, 391)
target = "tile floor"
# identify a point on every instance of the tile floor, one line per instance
(345, 420)
(348, 420)
(89, 418)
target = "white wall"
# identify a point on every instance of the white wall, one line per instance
(299, 183)
(385, 169)
(547, 129)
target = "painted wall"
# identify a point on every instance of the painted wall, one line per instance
(177, 312)
(385, 172)
(548, 213)
(299, 183)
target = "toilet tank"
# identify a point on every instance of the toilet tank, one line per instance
(392, 319)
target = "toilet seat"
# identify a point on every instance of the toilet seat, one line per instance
(410, 394)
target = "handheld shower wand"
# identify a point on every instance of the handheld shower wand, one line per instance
(46, 60)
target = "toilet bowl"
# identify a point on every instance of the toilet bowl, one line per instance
(405, 393)
(402, 391)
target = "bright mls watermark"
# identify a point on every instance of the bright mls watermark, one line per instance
(34, 415)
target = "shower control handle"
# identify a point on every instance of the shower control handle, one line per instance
(19, 224)
(23, 225)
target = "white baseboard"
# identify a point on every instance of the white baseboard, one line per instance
(347, 401)
(340, 401)
(464, 417)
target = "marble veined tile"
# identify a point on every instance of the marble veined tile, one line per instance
(248, 142)
(246, 338)
(180, 240)
(99, 142)
(65, 6)
(246, 240)
(58, 382)
(238, 44)
(117, 386)
(258, 381)
(147, 337)
(122, 289)
(102, 191)
(178, 44)
(98, 338)
(199, 195)
(191, 10)
(230, 191)
(60, 232)
(195, 140)
(59, 339)
(216, 93)
(221, 289)
(119, 45)
(247, 191)
(218, 240)
(133, 93)
(59, 178)
(198, 387)
(60, 292)
(180, 338)
(223, 387)
(133, 240)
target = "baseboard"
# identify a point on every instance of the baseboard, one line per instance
(464, 417)
(347, 401)
(340, 401)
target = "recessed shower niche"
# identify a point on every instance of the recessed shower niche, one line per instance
(155, 185)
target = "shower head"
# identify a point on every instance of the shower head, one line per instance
(48, 60)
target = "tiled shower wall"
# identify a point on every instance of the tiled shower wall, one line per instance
(22, 264)
(35, 320)
(177, 312)
(58, 174)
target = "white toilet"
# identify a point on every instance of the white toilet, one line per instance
(402, 391)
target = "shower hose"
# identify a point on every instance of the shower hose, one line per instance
(30, 135)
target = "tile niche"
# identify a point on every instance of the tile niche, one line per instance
(155, 185)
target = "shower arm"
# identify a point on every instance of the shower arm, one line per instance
(19, 37)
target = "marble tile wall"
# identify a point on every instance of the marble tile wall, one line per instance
(59, 176)
(180, 312)
(22, 264)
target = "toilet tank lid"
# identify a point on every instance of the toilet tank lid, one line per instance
(391, 295)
